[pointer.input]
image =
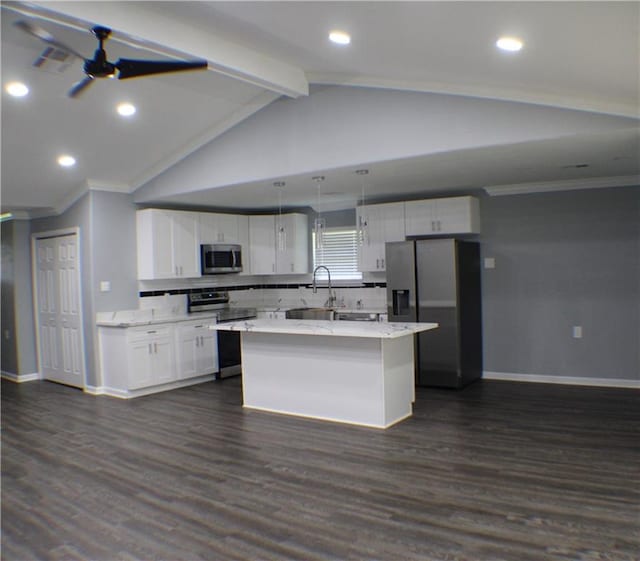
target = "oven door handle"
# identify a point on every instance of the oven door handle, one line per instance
(233, 253)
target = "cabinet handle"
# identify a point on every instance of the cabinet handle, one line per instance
(292, 267)
(273, 267)
(155, 348)
(150, 350)
(201, 341)
(150, 332)
(377, 263)
(197, 342)
(180, 270)
(382, 260)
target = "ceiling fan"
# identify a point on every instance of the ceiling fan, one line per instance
(100, 67)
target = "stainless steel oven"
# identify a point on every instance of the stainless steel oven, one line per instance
(229, 355)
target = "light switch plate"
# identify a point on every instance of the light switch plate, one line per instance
(105, 286)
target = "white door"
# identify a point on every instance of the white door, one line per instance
(59, 324)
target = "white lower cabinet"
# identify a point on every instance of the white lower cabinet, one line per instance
(143, 359)
(150, 357)
(197, 349)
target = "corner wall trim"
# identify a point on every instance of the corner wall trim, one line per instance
(19, 378)
(568, 380)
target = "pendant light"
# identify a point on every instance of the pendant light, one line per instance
(281, 232)
(363, 225)
(319, 225)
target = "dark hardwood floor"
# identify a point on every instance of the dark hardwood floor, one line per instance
(498, 471)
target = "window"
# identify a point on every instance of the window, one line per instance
(339, 253)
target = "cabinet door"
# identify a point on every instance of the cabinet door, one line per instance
(163, 363)
(140, 363)
(208, 228)
(293, 255)
(379, 224)
(420, 218)
(187, 349)
(392, 228)
(371, 248)
(154, 244)
(185, 244)
(207, 351)
(457, 215)
(262, 245)
(228, 228)
(243, 240)
(451, 215)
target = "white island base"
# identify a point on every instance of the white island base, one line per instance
(360, 380)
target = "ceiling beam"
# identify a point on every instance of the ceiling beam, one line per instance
(141, 26)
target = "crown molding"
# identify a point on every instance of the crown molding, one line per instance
(566, 185)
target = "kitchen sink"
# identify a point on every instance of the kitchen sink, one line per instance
(310, 313)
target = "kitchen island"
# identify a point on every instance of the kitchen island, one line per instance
(351, 372)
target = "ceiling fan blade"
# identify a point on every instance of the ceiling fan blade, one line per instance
(82, 85)
(45, 36)
(130, 68)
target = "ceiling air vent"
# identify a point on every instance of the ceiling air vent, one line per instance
(54, 60)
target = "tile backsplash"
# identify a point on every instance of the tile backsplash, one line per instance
(369, 296)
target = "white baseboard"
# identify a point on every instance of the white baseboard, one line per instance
(128, 394)
(568, 380)
(19, 378)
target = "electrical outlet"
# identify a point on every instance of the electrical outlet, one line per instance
(489, 262)
(105, 286)
(577, 332)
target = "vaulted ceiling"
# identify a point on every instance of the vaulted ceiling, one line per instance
(577, 55)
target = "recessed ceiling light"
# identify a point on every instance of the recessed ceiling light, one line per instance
(66, 161)
(17, 89)
(126, 109)
(340, 37)
(512, 44)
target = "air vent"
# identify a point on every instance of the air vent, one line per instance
(54, 60)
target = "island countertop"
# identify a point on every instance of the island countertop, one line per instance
(376, 330)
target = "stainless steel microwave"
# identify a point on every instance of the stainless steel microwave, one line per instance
(220, 258)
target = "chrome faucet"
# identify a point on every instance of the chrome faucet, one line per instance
(330, 303)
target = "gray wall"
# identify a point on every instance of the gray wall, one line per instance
(18, 335)
(108, 252)
(563, 259)
(8, 347)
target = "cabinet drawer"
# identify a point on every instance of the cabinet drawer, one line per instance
(149, 331)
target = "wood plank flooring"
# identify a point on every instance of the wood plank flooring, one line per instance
(500, 471)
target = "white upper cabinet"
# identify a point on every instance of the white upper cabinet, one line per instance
(167, 243)
(453, 215)
(378, 224)
(292, 243)
(262, 243)
(219, 228)
(273, 252)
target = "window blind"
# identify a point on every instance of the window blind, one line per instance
(339, 253)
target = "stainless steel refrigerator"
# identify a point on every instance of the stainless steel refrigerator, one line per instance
(438, 280)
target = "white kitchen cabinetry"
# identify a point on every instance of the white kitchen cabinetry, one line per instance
(197, 349)
(136, 357)
(452, 215)
(262, 243)
(167, 243)
(218, 228)
(266, 257)
(377, 225)
(293, 254)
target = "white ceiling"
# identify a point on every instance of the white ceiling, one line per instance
(577, 55)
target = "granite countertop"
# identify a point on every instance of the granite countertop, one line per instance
(338, 309)
(377, 330)
(135, 318)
